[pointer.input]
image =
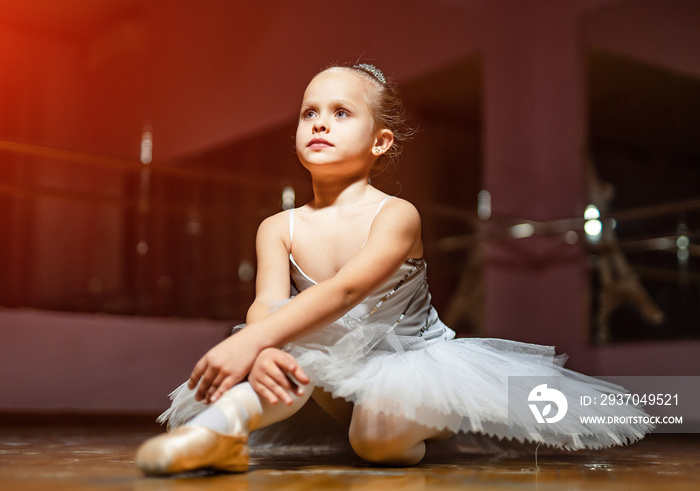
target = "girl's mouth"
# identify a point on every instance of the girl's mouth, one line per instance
(319, 143)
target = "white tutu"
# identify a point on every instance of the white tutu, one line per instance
(391, 354)
(460, 384)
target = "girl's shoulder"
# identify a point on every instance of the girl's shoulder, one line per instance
(399, 202)
(394, 207)
(275, 226)
(276, 220)
(398, 216)
(398, 222)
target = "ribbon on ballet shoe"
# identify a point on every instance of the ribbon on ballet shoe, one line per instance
(193, 447)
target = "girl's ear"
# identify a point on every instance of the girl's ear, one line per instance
(383, 142)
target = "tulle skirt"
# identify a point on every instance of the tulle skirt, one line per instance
(495, 387)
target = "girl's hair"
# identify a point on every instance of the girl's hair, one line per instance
(386, 104)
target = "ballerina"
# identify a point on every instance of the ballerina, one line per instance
(358, 333)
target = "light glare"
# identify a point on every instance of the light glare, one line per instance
(146, 147)
(592, 213)
(593, 228)
(288, 198)
(484, 205)
(522, 230)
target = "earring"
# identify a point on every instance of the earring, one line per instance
(377, 150)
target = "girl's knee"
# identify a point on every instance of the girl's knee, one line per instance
(385, 451)
(382, 439)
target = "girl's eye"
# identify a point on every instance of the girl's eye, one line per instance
(309, 114)
(342, 113)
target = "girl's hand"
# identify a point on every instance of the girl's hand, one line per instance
(270, 376)
(225, 365)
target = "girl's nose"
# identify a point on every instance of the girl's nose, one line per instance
(319, 127)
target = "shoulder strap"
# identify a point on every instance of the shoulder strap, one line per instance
(380, 207)
(377, 213)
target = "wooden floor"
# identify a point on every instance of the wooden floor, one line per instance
(57, 454)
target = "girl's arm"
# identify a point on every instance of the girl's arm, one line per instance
(272, 283)
(394, 236)
(272, 286)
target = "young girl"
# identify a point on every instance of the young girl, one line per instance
(359, 334)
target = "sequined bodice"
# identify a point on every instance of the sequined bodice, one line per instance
(402, 302)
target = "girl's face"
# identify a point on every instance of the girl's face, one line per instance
(336, 123)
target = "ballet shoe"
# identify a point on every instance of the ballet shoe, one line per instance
(193, 447)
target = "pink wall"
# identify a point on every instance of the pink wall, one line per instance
(97, 363)
(256, 60)
(535, 120)
(534, 130)
(663, 33)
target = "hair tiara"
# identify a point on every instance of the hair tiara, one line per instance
(372, 70)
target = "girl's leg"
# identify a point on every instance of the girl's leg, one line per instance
(390, 440)
(338, 409)
(217, 438)
(241, 410)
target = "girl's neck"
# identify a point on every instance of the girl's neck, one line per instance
(339, 193)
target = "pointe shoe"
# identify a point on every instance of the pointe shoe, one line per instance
(193, 447)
